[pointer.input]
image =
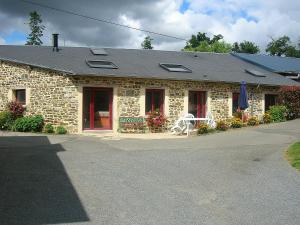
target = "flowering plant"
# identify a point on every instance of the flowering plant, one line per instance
(156, 121)
(16, 109)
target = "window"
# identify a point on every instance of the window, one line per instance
(154, 100)
(101, 64)
(175, 67)
(197, 103)
(270, 100)
(20, 96)
(235, 102)
(255, 73)
(98, 51)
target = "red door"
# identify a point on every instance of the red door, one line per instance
(97, 108)
(197, 103)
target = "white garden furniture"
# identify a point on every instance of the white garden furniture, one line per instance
(185, 123)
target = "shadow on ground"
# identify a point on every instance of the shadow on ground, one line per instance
(34, 186)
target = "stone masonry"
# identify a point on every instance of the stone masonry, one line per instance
(55, 95)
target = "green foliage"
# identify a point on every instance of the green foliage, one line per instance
(146, 44)
(277, 113)
(6, 120)
(36, 27)
(202, 128)
(203, 43)
(236, 123)
(222, 125)
(60, 130)
(282, 47)
(245, 47)
(293, 154)
(290, 97)
(29, 124)
(49, 129)
(267, 118)
(253, 121)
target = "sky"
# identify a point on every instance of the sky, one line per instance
(236, 20)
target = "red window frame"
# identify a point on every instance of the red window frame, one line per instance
(201, 95)
(92, 105)
(161, 104)
(17, 96)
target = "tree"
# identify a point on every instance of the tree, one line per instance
(202, 43)
(245, 47)
(282, 47)
(279, 47)
(36, 27)
(146, 44)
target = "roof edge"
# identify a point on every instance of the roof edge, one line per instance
(36, 65)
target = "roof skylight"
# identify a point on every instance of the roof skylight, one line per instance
(255, 73)
(175, 67)
(98, 51)
(101, 64)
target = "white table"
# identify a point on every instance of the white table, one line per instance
(188, 122)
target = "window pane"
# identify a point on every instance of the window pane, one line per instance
(154, 100)
(21, 96)
(235, 102)
(86, 108)
(148, 101)
(157, 97)
(193, 103)
(270, 100)
(101, 109)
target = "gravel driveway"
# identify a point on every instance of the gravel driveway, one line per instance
(236, 177)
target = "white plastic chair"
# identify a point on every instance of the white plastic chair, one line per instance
(180, 125)
(211, 122)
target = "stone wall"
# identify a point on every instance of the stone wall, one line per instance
(56, 95)
(51, 94)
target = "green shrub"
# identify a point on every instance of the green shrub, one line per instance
(277, 113)
(236, 123)
(222, 125)
(49, 128)
(6, 120)
(202, 128)
(267, 118)
(60, 130)
(29, 124)
(253, 121)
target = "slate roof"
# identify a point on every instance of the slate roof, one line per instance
(272, 63)
(142, 64)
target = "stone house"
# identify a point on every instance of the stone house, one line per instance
(90, 89)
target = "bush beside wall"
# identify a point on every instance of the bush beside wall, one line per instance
(29, 124)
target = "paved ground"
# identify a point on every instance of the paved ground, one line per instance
(232, 178)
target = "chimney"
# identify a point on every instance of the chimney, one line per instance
(55, 42)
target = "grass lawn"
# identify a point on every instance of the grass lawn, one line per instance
(293, 155)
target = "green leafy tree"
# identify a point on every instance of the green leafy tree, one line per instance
(202, 43)
(279, 47)
(282, 47)
(36, 27)
(147, 43)
(245, 47)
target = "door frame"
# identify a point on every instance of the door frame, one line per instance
(92, 104)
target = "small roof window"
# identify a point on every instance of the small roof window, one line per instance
(175, 67)
(101, 64)
(255, 73)
(98, 51)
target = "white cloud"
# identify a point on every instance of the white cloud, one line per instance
(237, 20)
